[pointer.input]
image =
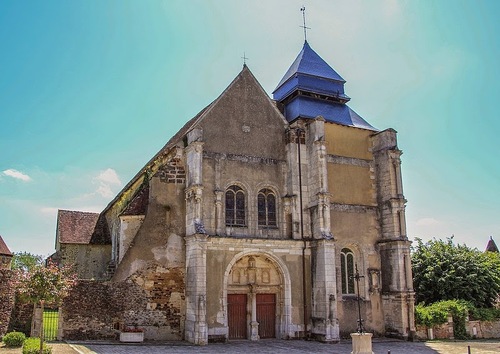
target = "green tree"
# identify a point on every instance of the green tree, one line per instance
(443, 270)
(25, 261)
(42, 285)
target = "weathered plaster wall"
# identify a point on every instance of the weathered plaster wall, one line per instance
(155, 261)
(129, 225)
(347, 141)
(241, 117)
(160, 232)
(350, 184)
(90, 261)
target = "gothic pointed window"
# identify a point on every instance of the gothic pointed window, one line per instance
(266, 208)
(235, 206)
(347, 270)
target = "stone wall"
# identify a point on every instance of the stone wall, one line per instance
(474, 329)
(6, 299)
(152, 300)
(20, 320)
(483, 329)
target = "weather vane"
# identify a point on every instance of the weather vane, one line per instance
(303, 10)
(244, 57)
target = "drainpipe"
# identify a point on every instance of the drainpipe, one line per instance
(298, 131)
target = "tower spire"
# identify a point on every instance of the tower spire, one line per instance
(303, 10)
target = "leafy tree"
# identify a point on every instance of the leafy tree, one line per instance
(25, 261)
(45, 285)
(443, 270)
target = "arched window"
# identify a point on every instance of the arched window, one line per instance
(235, 206)
(266, 208)
(347, 270)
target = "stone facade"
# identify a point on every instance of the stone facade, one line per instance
(250, 223)
(21, 317)
(6, 299)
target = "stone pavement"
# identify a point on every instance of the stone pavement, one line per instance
(380, 346)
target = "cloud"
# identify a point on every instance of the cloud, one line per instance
(109, 176)
(427, 222)
(106, 180)
(17, 175)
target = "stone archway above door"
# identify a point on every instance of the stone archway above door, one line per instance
(254, 271)
(265, 281)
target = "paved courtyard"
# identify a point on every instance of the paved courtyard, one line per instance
(291, 347)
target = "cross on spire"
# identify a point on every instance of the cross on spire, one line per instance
(303, 10)
(244, 57)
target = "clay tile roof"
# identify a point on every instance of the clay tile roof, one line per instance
(75, 226)
(4, 250)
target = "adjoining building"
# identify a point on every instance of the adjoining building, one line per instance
(5, 255)
(251, 222)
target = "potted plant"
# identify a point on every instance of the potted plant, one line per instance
(131, 334)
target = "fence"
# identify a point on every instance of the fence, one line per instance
(50, 324)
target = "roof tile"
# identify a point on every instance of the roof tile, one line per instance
(76, 226)
(4, 250)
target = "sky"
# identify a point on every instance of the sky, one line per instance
(91, 90)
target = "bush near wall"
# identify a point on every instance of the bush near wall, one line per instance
(14, 339)
(32, 346)
(461, 311)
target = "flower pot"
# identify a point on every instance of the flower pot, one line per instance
(131, 337)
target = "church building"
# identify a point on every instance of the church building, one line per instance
(252, 222)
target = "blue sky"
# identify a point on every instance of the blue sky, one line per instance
(91, 90)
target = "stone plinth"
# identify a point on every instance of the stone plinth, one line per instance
(361, 343)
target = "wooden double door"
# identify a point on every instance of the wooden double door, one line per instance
(239, 315)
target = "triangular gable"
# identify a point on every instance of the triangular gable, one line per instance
(243, 120)
(150, 168)
(4, 250)
(244, 73)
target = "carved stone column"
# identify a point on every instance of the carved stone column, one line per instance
(196, 289)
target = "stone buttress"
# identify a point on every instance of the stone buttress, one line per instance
(196, 239)
(397, 285)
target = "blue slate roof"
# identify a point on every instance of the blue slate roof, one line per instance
(310, 63)
(311, 88)
(306, 107)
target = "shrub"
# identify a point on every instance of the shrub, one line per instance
(431, 315)
(14, 339)
(484, 314)
(32, 346)
(437, 313)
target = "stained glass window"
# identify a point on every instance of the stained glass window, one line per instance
(235, 206)
(347, 270)
(266, 208)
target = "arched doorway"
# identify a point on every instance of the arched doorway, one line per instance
(257, 297)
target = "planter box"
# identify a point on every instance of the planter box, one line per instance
(131, 337)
